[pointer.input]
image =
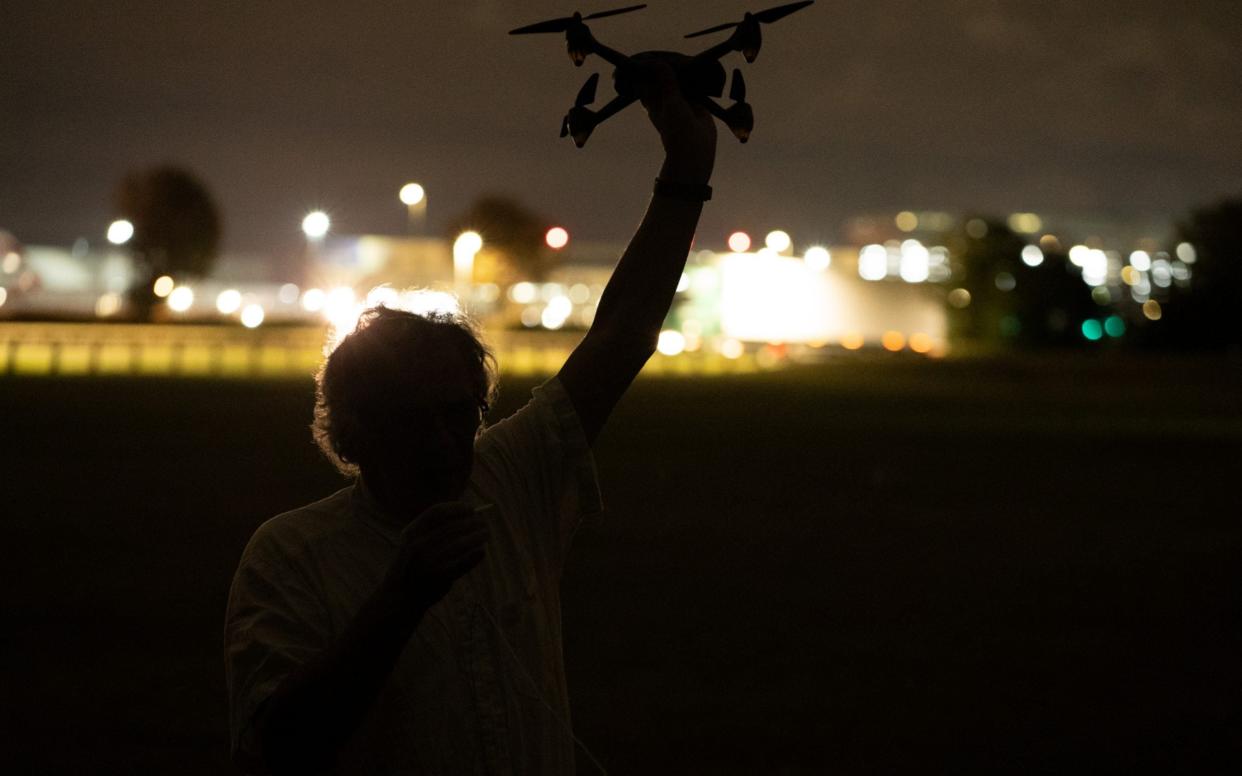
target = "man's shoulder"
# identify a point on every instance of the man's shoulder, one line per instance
(292, 531)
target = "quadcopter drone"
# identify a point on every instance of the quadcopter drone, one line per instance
(701, 77)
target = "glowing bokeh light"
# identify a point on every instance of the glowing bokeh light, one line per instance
(671, 342)
(288, 293)
(313, 300)
(468, 242)
(556, 312)
(180, 299)
(580, 293)
(1162, 273)
(873, 262)
(817, 258)
(108, 305)
(739, 242)
(893, 341)
(915, 262)
(316, 224)
(921, 343)
(778, 240)
(556, 238)
(252, 316)
(1186, 252)
(412, 193)
(959, 298)
(1114, 326)
(1092, 329)
(1032, 256)
(732, 349)
(163, 286)
(228, 301)
(120, 232)
(524, 292)
(1140, 260)
(1095, 268)
(906, 221)
(1151, 310)
(1025, 223)
(852, 340)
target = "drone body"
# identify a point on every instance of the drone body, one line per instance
(701, 77)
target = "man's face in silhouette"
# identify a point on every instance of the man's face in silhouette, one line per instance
(426, 430)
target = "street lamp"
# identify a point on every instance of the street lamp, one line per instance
(120, 231)
(414, 196)
(316, 225)
(465, 247)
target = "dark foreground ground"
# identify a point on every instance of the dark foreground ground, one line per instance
(866, 567)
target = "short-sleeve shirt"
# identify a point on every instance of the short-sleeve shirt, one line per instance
(480, 686)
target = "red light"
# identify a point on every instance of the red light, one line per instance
(556, 238)
(739, 242)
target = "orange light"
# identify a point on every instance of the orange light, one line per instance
(893, 340)
(852, 341)
(556, 238)
(921, 343)
(739, 242)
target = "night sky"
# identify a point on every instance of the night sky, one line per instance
(1120, 109)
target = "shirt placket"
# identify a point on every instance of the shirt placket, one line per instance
(488, 697)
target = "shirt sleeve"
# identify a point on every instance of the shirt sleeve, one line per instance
(539, 460)
(273, 625)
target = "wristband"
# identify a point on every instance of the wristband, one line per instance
(689, 192)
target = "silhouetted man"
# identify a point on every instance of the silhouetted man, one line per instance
(410, 623)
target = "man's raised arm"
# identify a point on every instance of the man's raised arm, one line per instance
(638, 296)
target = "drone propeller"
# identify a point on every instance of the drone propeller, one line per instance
(737, 92)
(766, 17)
(739, 117)
(566, 23)
(586, 96)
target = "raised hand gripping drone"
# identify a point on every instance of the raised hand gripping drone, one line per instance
(700, 76)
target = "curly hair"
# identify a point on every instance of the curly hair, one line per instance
(388, 361)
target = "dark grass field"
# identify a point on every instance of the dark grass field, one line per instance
(870, 566)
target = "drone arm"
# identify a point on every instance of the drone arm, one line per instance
(611, 56)
(726, 46)
(714, 108)
(614, 106)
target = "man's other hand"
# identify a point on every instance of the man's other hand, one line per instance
(438, 547)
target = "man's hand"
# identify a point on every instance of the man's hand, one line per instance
(437, 548)
(687, 130)
(640, 292)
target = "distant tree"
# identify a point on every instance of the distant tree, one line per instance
(177, 228)
(1010, 302)
(512, 230)
(1206, 310)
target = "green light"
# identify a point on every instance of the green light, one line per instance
(1115, 326)
(1092, 330)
